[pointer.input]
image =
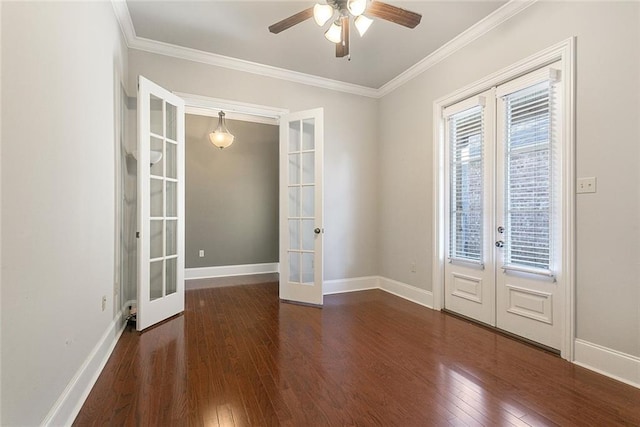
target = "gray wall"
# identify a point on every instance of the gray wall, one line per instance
(608, 147)
(231, 195)
(62, 65)
(350, 155)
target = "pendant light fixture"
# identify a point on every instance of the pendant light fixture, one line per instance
(221, 137)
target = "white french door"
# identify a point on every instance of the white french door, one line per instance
(470, 272)
(160, 204)
(503, 208)
(301, 200)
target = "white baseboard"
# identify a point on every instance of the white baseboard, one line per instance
(68, 405)
(615, 364)
(408, 292)
(402, 290)
(230, 270)
(350, 285)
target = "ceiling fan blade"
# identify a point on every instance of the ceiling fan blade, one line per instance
(394, 14)
(291, 21)
(342, 48)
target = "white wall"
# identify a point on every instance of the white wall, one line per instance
(351, 157)
(61, 64)
(608, 147)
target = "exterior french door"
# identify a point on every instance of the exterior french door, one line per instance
(301, 200)
(503, 208)
(160, 204)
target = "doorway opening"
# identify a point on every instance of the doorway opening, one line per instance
(231, 202)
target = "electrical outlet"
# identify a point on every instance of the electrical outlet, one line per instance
(201, 253)
(104, 302)
(586, 185)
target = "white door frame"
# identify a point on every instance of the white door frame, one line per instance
(207, 106)
(564, 51)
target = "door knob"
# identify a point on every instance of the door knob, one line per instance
(317, 231)
(499, 244)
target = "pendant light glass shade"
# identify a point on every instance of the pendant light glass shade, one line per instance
(322, 13)
(334, 33)
(221, 137)
(362, 24)
(356, 7)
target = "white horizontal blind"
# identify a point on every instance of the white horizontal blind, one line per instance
(466, 185)
(528, 187)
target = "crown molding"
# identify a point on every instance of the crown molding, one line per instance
(124, 19)
(500, 15)
(189, 54)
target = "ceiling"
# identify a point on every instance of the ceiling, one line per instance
(238, 29)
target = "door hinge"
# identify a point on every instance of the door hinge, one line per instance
(137, 234)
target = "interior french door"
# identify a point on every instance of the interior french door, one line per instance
(301, 200)
(503, 208)
(160, 204)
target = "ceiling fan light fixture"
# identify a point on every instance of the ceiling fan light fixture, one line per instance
(334, 33)
(221, 137)
(356, 7)
(322, 13)
(362, 24)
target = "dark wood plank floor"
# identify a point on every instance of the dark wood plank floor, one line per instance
(239, 357)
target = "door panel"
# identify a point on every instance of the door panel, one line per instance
(301, 227)
(528, 302)
(469, 273)
(160, 204)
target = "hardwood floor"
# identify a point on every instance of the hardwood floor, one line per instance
(239, 357)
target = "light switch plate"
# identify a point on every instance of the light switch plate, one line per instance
(586, 185)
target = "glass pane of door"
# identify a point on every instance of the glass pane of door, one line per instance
(301, 180)
(528, 177)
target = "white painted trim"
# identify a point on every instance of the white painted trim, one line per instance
(231, 107)
(68, 405)
(230, 270)
(408, 292)
(121, 10)
(500, 15)
(399, 289)
(568, 73)
(355, 284)
(208, 112)
(564, 51)
(615, 364)
(216, 60)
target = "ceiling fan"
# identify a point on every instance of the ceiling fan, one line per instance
(345, 10)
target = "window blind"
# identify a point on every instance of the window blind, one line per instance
(528, 186)
(466, 185)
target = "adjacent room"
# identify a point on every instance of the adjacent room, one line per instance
(344, 212)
